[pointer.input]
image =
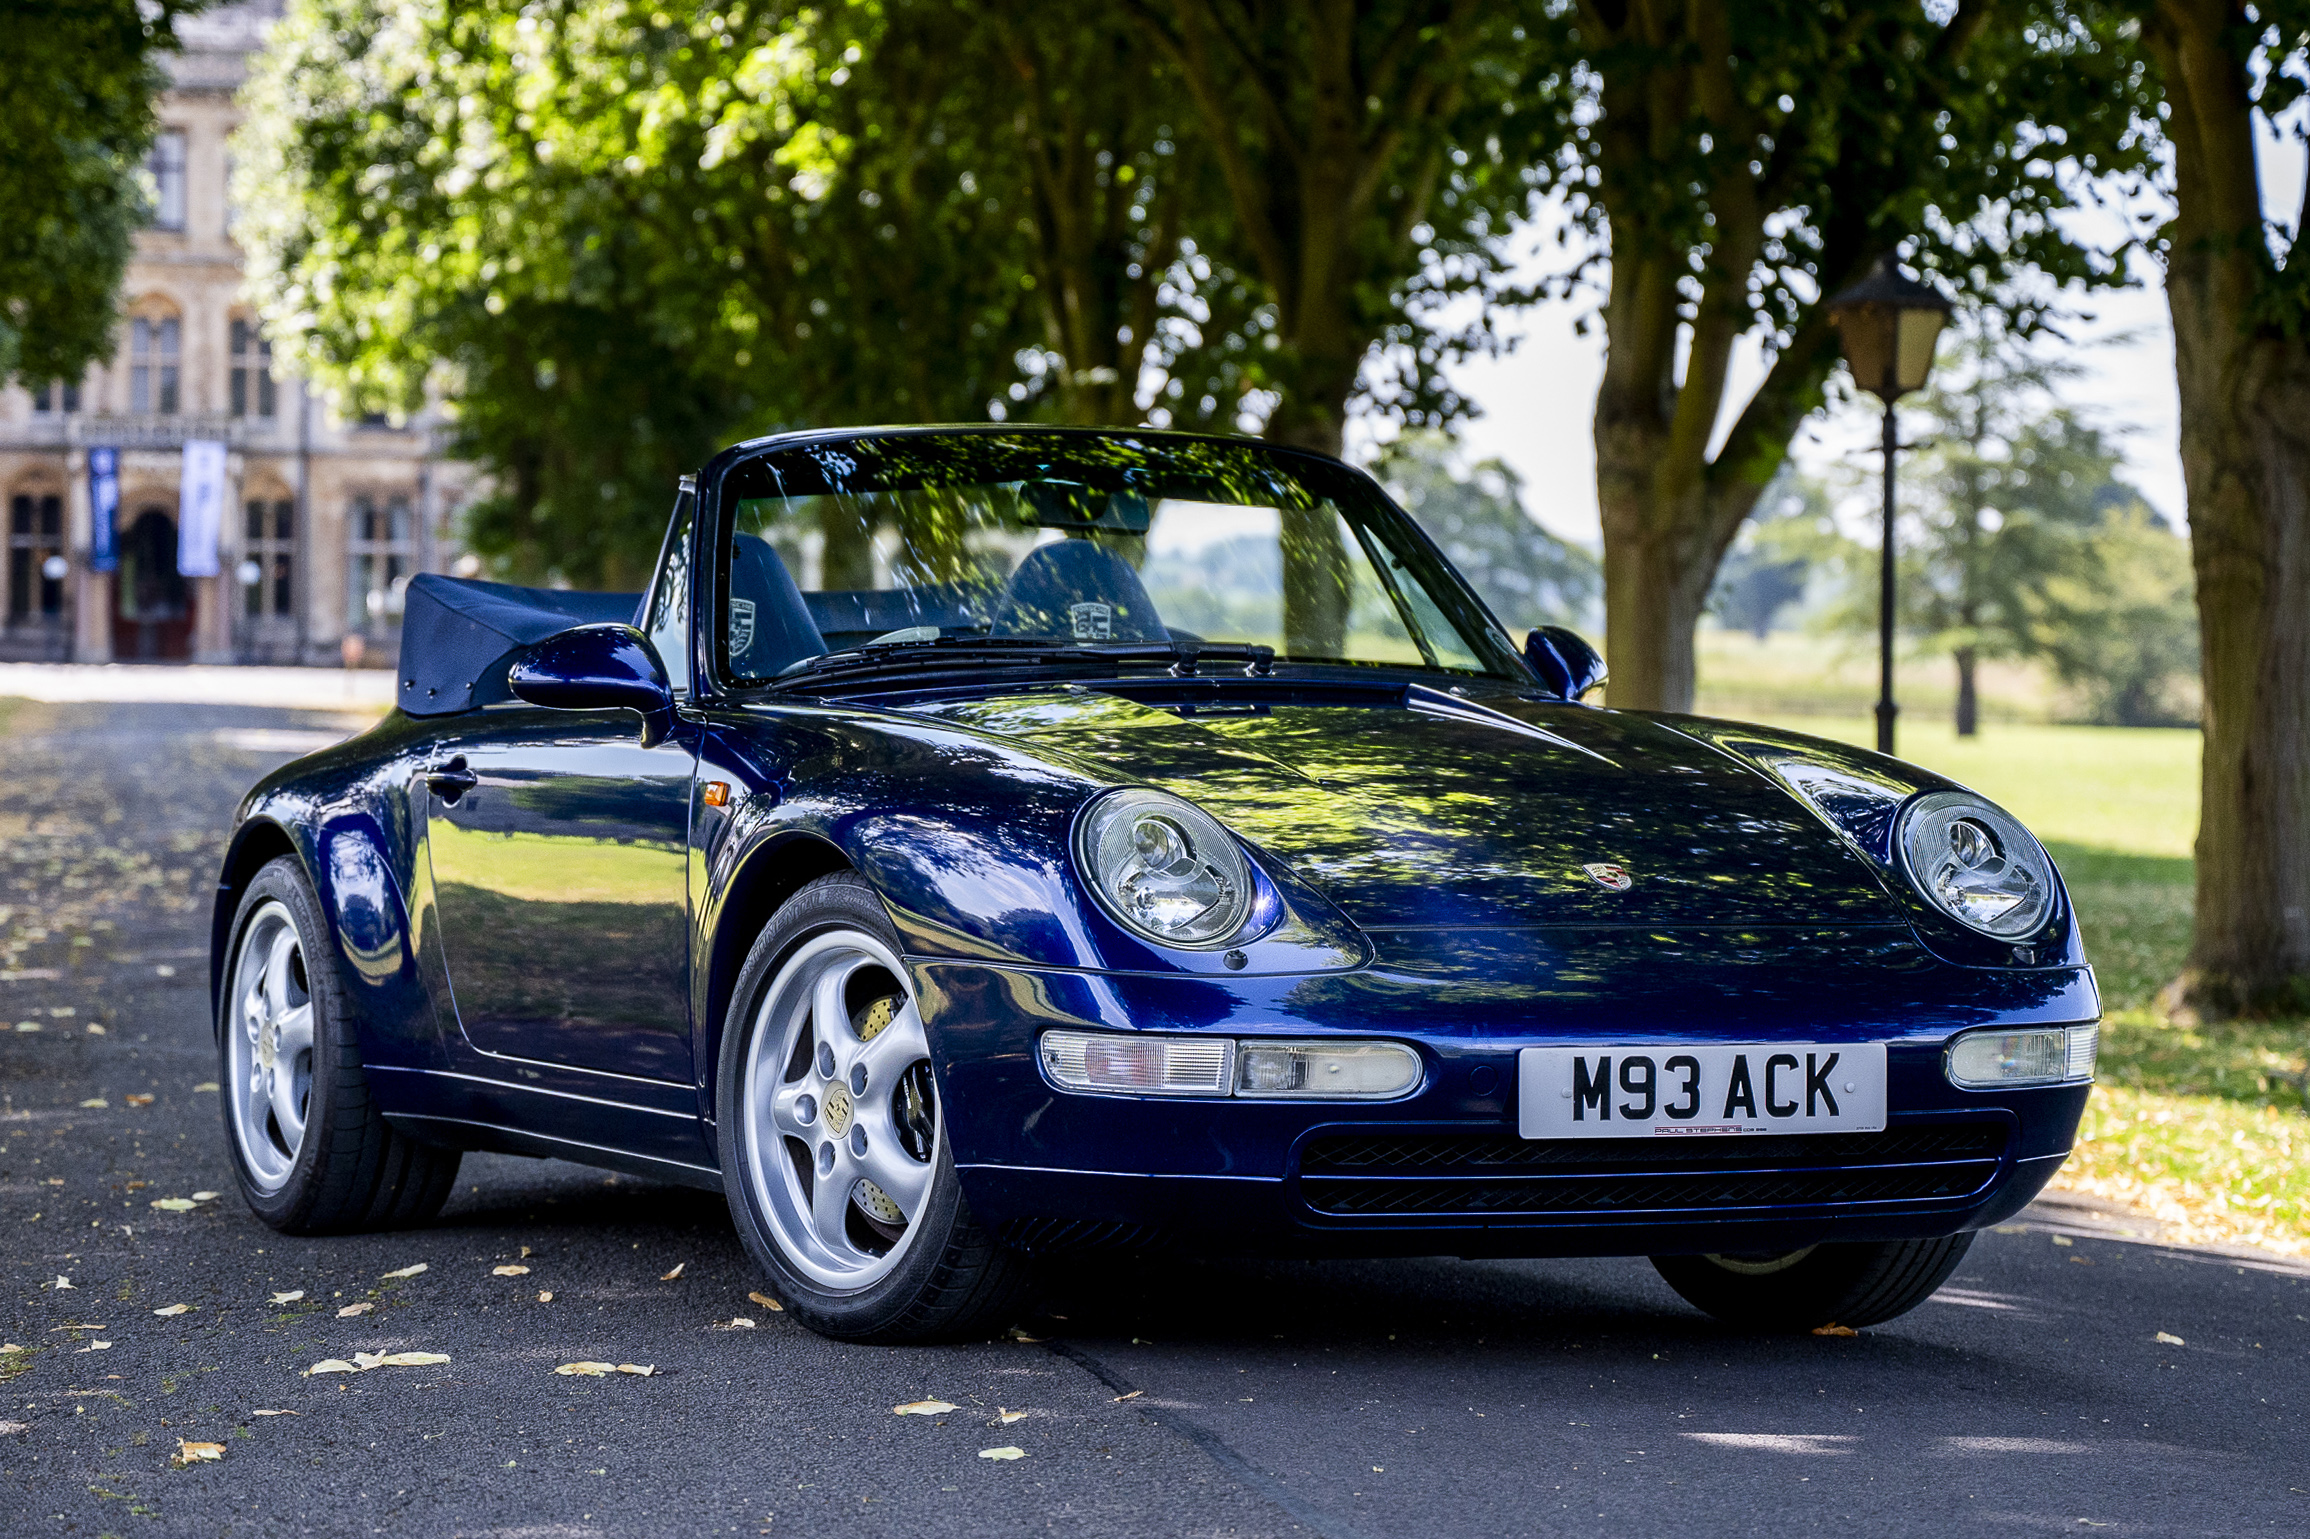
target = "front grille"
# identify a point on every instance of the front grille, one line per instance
(1367, 1174)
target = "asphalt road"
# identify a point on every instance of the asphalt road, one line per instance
(2034, 1396)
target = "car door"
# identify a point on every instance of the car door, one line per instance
(560, 867)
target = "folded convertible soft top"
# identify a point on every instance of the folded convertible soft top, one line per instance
(453, 629)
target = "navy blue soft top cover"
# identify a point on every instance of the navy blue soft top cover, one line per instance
(454, 628)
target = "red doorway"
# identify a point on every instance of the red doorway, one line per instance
(152, 613)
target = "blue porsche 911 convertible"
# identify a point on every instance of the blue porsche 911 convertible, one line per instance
(982, 844)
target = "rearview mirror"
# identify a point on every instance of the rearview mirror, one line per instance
(598, 668)
(1565, 663)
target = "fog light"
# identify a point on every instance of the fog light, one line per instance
(1221, 1066)
(1082, 1060)
(1354, 1071)
(2041, 1055)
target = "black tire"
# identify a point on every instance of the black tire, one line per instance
(350, 1171)
(953, 1281)
(1849, 1285)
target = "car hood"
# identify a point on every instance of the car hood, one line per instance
(1426, 809)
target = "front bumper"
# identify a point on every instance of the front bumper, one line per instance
(1443, 1171)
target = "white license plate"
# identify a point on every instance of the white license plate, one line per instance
(1699, 1092)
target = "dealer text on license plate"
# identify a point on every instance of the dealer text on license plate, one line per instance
(1684, 1092)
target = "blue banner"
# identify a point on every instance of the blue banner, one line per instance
(103, 509)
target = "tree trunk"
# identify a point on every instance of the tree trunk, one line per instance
(1968, 701)
(2245, 410)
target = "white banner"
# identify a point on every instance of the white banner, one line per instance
(200, 507)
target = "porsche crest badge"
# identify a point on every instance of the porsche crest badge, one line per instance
(1609, 877)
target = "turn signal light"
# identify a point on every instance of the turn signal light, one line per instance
(2040, 1055)
(1221, 1066)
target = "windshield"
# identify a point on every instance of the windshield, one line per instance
(1087, 541)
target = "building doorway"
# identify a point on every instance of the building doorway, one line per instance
(152, 615)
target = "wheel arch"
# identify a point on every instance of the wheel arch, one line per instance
(769, 875)
(256, 844)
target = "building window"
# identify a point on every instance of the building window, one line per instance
(55, 397)
(36, 565)
(271, 546)
(252, 378)
(152, 364)
(381, 555)
(166, 167)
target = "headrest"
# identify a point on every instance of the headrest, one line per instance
(770, 627)
(1078, 591)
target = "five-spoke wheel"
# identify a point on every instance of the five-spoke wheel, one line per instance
(269, 1051)
(842, 1110)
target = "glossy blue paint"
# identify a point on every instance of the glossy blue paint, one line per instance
(537, 919)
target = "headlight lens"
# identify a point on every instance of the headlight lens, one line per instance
(1164, 867)
(1977, 865)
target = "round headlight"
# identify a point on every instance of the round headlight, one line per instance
(1164, 868)
(1977, 865)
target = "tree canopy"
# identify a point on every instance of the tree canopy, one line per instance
(79, 78)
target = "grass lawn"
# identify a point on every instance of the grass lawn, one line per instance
(2207, 1128)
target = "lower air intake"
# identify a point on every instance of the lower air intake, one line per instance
(1423, 1174)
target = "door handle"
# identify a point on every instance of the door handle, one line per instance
(452, 780)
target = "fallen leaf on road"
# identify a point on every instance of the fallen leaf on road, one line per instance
(174, 1204)
(62, 1282)
(2081, 1261)
(331, 1365)
(9, 1346)
(922, 1408)
(2168, 1339)
(639, 1370)
(289, 1297)
(164, 971)
(138, 1100)
(9, 1428)
(27, 1025)
(2063, 1240)
(767, 1302)
(196, 1453)
(509, 1271)
(369, 1360)
(172, 1311)
(97, 1346)
(525, 1253)
(206, 1196)
(1019, 1335)
(95, 1030)
(545, 1296)
(208, 1085)
(1834, 1330)
(94, 1103)
(675, 1273)
(734, 1323)
(350, 1310)
(273, 1413)
(409, 1271)
(1007, 1417)
(1135, 1394)
(1002, 1453)
(53, 1329)
(586, 1370)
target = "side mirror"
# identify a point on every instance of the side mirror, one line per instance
(598, 668)
(1565, 663)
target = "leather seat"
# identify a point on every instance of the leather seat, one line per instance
(1077, 591)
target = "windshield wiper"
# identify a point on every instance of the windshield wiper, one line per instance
(1183, 659)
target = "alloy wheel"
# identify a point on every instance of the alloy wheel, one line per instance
(269, 1046)
(841, 1111)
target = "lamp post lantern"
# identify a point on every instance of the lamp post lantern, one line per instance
(1888, 323)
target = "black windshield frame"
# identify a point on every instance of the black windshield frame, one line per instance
(843, 463)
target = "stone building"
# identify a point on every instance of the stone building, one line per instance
(325, 520)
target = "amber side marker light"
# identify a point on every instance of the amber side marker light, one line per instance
(717, 793)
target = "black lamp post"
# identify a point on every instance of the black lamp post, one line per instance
(1888, 323)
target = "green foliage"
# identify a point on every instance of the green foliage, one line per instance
(2018, 538)
(1528, 576)
(78, 78)
(1770, 561)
